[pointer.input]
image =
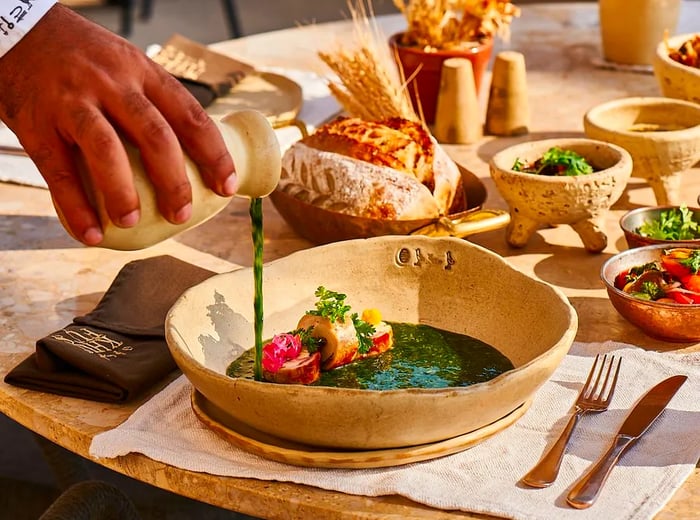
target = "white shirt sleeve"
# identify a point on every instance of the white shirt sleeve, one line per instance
(17, 17)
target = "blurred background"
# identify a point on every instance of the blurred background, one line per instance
(145, 22)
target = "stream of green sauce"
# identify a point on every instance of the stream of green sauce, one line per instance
(422, 357)
(256, 218)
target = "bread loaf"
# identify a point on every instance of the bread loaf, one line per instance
(391, 169)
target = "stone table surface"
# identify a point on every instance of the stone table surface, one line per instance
(46, 278)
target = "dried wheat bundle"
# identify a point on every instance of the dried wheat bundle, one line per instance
(369, 85)
(444, 24)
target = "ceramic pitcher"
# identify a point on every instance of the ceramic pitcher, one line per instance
(631, 29)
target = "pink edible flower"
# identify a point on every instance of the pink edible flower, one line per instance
(280, 349)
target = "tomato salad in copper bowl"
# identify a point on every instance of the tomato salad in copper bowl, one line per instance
(657, 288)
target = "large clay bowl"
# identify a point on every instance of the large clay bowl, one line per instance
(323, 226)
(537, 201)
(675, 79)
(664, 321)
(661, 134)
(444, 282)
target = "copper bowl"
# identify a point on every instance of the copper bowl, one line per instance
(674, 322)
(633, 219)
(322, 226)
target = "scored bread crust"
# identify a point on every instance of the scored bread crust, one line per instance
(338, 183)
(391, 169)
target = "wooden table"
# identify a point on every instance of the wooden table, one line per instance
(47, 279)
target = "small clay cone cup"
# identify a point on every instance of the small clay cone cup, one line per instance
(508, 110)
(457, 115)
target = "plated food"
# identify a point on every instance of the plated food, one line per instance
(661, 225)
(673, 278)
(555, 162)
(646, 286)
(688, 52)
(537, 201)
(445, 283)
(676, 67)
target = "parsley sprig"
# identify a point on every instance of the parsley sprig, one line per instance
(556, 161)
(332, 305)
(692, 262)
(672, 224)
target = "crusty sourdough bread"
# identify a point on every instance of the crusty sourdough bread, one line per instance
(392, 169)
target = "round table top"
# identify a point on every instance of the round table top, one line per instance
(48, 279)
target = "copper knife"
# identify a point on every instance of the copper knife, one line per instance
(645, 412)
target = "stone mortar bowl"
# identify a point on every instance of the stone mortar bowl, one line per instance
(661, 134)
(537, 201)
(444, 282)
(675, 79)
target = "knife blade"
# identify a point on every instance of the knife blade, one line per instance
(645, 412)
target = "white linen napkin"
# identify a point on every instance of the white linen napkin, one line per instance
(483, 479)
(16, 168)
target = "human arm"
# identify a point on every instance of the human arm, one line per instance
(69, 88)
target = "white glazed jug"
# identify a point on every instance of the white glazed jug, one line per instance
(252, 143)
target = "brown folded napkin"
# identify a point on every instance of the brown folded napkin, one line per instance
(205, 73)
(118, 350)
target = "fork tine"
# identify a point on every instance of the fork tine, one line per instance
(613, 384)
(586, 386)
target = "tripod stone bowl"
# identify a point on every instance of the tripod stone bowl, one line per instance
(537, 201)
(661, 134)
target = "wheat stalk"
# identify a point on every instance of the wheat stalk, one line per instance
(369, 85)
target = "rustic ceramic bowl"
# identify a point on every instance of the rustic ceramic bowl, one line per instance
(665, 321)
(537, 201)
(633, 219)
(675, 79)
(661, 134)
(444, 282)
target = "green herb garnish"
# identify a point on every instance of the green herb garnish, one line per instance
(309, 342)
(692, 262)
(556, 162)
(331, 305)
(364, 333)
(653, 290)
(672, 224)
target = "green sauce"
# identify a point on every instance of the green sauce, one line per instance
(256, 218)
(422, 357)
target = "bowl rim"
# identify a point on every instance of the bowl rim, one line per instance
(674, 42)
(566, 339)
(591, 115)
(610, 285)
(623, 156)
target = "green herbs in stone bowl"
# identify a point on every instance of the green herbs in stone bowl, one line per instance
(672, 224)
(556, 162)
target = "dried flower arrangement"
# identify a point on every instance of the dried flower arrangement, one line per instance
(448, 24)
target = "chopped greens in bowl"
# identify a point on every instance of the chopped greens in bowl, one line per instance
(672, 224)
(661, 225)
(555, 161)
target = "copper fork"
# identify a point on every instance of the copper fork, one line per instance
(595, 396)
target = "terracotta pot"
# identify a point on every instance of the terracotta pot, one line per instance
(429, 66)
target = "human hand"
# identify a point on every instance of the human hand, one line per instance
(69, 88)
